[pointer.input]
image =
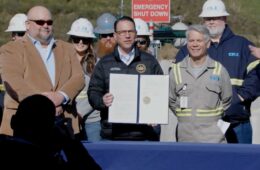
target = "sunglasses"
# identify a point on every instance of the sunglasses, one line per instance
(19, 34)
(42, 22)
(213, 18)
(141, 42)
(76, 40)
(106, 35)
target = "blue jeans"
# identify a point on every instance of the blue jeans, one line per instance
(93, 131)
(240, 133)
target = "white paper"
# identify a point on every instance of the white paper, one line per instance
(123, 109)
(223, 125)
(152, 98)
(184, 102)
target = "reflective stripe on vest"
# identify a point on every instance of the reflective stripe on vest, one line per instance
(252, 65)
(239, 82)
(200, 112)
(177, 73)
(2, 87)
(236, 82)
(217, 69)
(183, 112)
(209, 112)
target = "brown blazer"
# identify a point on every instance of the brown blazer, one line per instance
(24, 74)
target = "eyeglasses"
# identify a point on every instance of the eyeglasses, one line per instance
(141, 42)
(85, 41)
(19, 34)
(125, 32)
(42, 22)
(213, 18)
(106, 35)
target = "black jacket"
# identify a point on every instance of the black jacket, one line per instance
(143, 63)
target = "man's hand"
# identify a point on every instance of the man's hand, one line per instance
(255, 51)
(59, 110)
(56, 97)
(108, 99)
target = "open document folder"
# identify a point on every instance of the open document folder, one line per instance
(139, 99)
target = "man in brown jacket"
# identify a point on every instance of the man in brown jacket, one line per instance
(38, 64)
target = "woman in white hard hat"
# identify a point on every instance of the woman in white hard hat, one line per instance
(143, 35)
(82, 38)
(17, 26)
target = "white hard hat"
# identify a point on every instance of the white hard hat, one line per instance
(214, 8)
(179, 26)
(17, 23)
(105, 24)
(141, 27)
(82, 27)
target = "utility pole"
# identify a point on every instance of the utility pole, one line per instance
(121, 8)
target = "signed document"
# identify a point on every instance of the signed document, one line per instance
(139, 99)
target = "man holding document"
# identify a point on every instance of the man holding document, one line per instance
(126, 59)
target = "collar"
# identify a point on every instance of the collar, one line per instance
(227, 34)
(210, 63)
(51, 41)
(131, 53)
(137, 53)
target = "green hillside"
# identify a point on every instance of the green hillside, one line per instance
(244, 19)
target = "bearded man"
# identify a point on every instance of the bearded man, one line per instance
(105, 29)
